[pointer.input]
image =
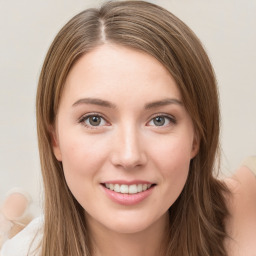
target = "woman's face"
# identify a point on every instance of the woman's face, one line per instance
(124, 138)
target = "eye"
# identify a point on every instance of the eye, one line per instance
(93, 120)
(161, 120)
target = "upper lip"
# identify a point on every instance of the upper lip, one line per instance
(125, 182)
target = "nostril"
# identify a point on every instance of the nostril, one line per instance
(129, 160)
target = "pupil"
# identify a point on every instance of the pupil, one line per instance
(94, 120)
(159, 121)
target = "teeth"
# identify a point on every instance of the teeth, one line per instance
(133, 189)
(117, 187)
(124, 189)
(139, 188)
(128, 189)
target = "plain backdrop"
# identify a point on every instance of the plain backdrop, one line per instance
(226, 28)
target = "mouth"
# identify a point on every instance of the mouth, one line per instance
(128, 189)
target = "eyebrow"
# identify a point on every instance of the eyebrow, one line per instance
(104, 103)
(95, 101)
(163, 102)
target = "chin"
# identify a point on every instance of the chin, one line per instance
(133, 223)
(129, 228)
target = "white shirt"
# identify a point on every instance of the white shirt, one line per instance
(20, 244)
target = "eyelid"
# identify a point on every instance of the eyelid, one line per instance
(85, 116)
(81, 120)
(171, 118)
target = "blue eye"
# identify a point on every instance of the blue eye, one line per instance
(161, 120)
(93, 121)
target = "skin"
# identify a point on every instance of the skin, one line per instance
(241, 224)
(14, 206)
(125, 145)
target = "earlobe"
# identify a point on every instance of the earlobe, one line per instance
(55, 143)
(195, 146)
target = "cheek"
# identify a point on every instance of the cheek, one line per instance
(82, 157)
(173, 161)
(173, 154)
(82, 160)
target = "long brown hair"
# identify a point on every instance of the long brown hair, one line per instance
(197, 217)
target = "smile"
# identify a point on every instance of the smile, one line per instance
(128, 193)
(128, 189)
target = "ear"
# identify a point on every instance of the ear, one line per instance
(195, 145)
(55, 143)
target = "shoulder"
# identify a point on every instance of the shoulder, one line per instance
(26, 240)
(241, 224)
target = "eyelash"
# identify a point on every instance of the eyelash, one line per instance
(171, 119)
(84, 118)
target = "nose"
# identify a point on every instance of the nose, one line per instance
(128, 151)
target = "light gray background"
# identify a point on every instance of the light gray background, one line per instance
(226, 28)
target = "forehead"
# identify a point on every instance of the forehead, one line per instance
(111, 71)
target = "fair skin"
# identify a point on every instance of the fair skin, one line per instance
(14, 206)
(121, 121)
(241, 225)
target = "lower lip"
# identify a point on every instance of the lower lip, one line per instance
(128, 199)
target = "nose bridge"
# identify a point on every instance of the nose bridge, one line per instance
(128, 149)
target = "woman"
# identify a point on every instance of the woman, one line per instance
(128, 131)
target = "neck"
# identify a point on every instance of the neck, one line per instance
(150, 242)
